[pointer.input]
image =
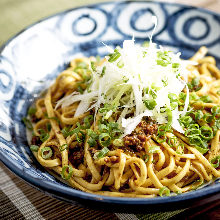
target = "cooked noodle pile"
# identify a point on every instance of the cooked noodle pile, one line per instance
(92, 154)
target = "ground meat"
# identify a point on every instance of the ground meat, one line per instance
(147, 128)
(88, 178)
(134, 141)
(112, 159)
(34, 119)
(36, 141)
(92, 151)
(139, 136)
(76, 156)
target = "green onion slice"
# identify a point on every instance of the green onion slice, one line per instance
(113, 57)
(120, 64)
(87, 121)
(186, 121)
(175, 65)
(215, 161)
(27, 123)
(63, 147)
(153, 149)
(103, 71)
(172, 97)
(65, 131)
(69, 173)
(92, 134)
(206, 99)
(193, 130)
(118, 142)
(31, 111)
(215, 110)
(43, 135)
(48, 126)
(169, 117)
(172, 141)
(180, 149)
(199, 144)
(165, 82)
(92, 142)
(34, 148)
(178, 192)
(146, 158)
(104, 139)
(150, 104)
(164, 191)
(198, 115)
(102, 153)
(46, 152)
(161, 139)
(93, 66)
(208, 117)
(201, 150)
(206, 132)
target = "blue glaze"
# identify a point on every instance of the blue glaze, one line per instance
(136, 15)
(188, 24)
(74, 28)
(212, 27)
(29, 57)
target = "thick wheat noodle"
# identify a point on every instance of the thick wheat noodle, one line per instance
(156, 182)
(90, 163)
(203, 170)
(111, 178)
(162, 173)
(128, 175)
(215, 146)
(118, 172)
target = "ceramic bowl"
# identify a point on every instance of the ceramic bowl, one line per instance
(35, 56)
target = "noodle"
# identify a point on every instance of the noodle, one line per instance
(177, 163)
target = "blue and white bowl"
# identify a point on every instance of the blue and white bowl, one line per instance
(36, 55)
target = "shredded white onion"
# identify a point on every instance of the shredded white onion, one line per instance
(140, 71)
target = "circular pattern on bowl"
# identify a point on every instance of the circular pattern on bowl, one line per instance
(35, 56)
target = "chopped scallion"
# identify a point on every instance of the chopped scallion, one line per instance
(46, 152)
(120, 64)
(198, 115)
(175, 65)
(150, 104)
(102, 153)
(27, 123)
(206, 99)
(145, 158)
(103, 71)
(31, 111)
(118, 142)
(93, 66)
(164, 191)
(215, 162)
(113, 57)
(206, 132)
(154, 149)
(43, 135)
(104, 139)
(69, 173)
(63, 147)
(34, 148)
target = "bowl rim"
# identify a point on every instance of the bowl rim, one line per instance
(68, 193)
(2, 47)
